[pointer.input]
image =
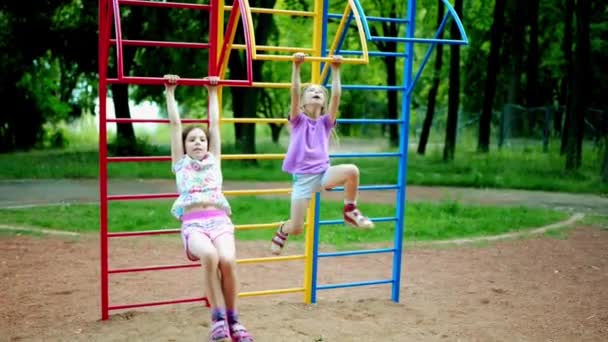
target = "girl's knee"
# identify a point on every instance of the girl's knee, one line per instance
(207, 257)
(227, 264)
(353, 170)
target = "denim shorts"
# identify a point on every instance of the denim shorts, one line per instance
(304, 185)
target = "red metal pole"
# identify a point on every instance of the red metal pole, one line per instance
(164, 4)
(103, 171)
(213, 32)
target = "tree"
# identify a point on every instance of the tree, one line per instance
(389, 29)
(580, 86)
(454, 91)
(432, 98)
(533, 98)
(245, 100)
(567, 72)
(483, 143)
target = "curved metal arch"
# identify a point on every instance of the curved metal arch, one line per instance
(244, 11)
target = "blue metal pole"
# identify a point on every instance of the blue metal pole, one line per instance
(403, 148)
(315, 250)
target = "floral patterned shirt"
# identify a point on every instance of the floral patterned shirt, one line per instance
(198, 181)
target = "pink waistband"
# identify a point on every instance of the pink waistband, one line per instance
(203, 214)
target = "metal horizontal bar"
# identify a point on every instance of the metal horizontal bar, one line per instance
(274, 48)
(166, 302)
(139, 197)
(129, 197)
(124, 120)
(370, 187)
(182, 81)
(284, 58)
(419, 40)
(367, 155)
(151, 268)
(283, 191)
(361, 252)
(370, 121)
(144, 233)
(138, 159)
(276, 11)
(270, 292)
(272, 225)
(271, 259)
(355, 284)
(255, 120)
(368, 18)
(369, 87)
(378, 219)
(164, 4)
(260, 156)
(189, 45)
(371, 53)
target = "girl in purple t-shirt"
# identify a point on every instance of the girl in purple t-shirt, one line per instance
(312, 122)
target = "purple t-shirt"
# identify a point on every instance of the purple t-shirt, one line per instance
(308, 150)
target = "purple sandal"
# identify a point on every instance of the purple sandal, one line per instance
(239, 333)
(219, 332)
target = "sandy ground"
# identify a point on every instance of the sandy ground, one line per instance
(534, 289)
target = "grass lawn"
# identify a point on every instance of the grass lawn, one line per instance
(517, 169)
(424, 221)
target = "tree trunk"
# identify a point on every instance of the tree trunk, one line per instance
(605, 163)
(516, 56)
(580, 86)
(244, 99)
(454, 91)
(532, 94)
(432, 99)
(390, 29)
(126, 144)
(483, 143)
(275, 132)
(391, 78)
(566, 81)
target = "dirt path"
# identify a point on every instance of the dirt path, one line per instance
(34, 192)
(539, 289)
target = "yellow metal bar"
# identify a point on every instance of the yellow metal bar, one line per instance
(314, 59)
(270, 292)
(270, 259)
(276, 11)
(231, 34)
(334, 44)
(362, 38)
(251, 29)
(253, 156)
(275, 48)
(254, 120)
(271, 85)
(272, 225)
(316, 66)
(257, 192)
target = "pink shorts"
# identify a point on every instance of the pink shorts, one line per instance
(210, 223)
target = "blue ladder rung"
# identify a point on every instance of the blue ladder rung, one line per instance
(360, 252)
(370, 87)
(376, 19)
(371, 53)
(370, 187)
(366, 155)
(419, 40)
(370, 121)
(354, 284)
(377, 219)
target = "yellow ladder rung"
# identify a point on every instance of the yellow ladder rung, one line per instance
(258, 192)
(254, 120)
(253, 156)
(276, 11)
(270, 259)
(270, 292)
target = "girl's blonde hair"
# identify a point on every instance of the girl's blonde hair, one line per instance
(334, 139)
